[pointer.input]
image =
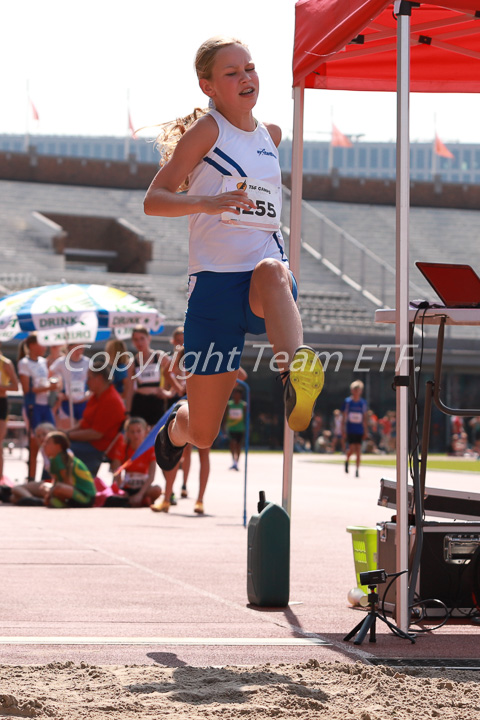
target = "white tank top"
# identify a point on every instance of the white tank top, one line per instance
(217, 246)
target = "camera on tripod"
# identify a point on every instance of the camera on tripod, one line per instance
(373, 577)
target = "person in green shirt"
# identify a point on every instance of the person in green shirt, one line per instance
(235, 415)
(73, 483)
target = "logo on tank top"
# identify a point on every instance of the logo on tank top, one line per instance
(266, 152)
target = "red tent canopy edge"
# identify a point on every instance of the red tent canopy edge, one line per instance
(356, 48)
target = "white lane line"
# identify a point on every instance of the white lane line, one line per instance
(344, 648)
(29, 640)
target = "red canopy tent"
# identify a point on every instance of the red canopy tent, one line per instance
(376, 45)
(445, 45)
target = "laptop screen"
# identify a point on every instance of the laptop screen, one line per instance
(456, 285)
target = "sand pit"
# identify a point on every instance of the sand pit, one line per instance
(69, 691)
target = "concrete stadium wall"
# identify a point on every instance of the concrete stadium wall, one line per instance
(382, 192)
(76, 171)
(133, 175)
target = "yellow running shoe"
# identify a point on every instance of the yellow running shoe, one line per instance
(161, 507)
(198, 507)
(304, 384)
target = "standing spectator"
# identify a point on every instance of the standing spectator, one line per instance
(175, 373)
(138, 477)
(316, 429)
(72, 370)
(373, 433)
(36, 385)
(177, 388)
(94, 436)
(354, 423)
(235, 417)
(393, 431)
(474, 423)
(8, 381)
(456, 424)
(385, 432)
(147, 372)
(54, 353)
(337, 430)
(170, 475)
(120, 360)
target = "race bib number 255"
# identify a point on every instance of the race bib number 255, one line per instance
(267, 198)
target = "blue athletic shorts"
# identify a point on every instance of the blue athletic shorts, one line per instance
(41, 414)
(78, 409)
(217, 319)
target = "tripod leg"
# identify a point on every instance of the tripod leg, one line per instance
(353, 632)
(367, 624)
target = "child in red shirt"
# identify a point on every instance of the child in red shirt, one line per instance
(137, 479)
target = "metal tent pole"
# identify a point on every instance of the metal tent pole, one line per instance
(401, 298)
(294, 258)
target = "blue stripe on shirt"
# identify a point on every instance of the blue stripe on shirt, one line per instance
(230, 160)
(221, 170)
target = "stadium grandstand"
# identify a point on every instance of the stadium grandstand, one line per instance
(51, 230)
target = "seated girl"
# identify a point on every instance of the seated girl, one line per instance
(33, 491)
(138, 477)
(73, 484)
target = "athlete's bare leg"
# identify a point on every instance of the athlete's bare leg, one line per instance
(198, 421)
(271, 298)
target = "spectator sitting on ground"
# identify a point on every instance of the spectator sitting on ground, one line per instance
(73, 483)
(94, 436)
(300, 444)
(459, 445)
(138, 477)
(34, 491)
(324, 443)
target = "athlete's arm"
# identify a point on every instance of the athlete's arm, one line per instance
(162, 197)
(12, 375)
(275, 133)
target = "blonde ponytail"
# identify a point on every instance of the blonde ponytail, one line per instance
(169, 135)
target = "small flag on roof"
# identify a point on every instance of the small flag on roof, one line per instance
(34, 110)
(339, 139)
(441, 149)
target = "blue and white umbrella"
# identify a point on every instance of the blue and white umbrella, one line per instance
(70, 313)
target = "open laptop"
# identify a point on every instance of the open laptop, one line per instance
(458, 286)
